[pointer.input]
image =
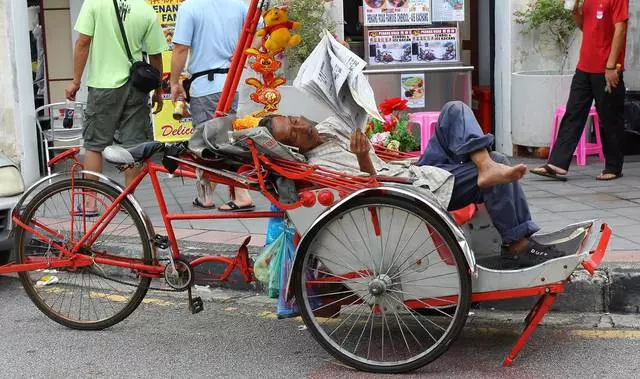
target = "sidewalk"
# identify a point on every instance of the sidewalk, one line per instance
(615, 288)
(553, 205)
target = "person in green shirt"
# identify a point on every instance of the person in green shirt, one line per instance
(113, 103)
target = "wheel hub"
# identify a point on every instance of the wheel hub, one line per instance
(379, 285)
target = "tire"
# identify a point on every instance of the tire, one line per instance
(359, 291)
(101, 285)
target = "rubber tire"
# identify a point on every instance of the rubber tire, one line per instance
(463, 270)
(28, 285)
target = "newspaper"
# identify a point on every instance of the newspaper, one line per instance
(334, 76)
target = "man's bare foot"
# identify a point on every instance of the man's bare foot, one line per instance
(557, 169)
(496, 173)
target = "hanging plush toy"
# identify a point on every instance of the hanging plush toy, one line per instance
(276, 33)
(267, 65)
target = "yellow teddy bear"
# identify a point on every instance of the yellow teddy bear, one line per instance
(276, 34)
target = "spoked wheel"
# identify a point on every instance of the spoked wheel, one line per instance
(92, 297)
(382, 285)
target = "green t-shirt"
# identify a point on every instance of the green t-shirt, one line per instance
(108, 65)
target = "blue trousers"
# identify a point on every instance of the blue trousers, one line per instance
(457, 135)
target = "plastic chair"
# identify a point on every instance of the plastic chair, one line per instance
(428, 122)
(584, 147)
(56, 137)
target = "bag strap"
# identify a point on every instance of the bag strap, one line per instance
(124, 35)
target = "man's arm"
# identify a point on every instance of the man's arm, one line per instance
(80, 56)
(577, 14)
(619, 37)
(155, 60)
(178, 60)
(360, 146)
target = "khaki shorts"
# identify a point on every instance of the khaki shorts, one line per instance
(124, 109)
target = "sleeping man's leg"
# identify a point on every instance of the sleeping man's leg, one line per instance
(460, 147)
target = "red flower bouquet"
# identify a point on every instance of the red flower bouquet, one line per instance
(394, 132)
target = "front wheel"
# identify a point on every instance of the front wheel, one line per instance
(382, 285)
(92, 297)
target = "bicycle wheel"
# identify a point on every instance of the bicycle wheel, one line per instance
(364, 277)
(92, 297)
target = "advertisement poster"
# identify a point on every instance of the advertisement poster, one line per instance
(412, 89)
(165, 128)
(448, 10)
(412, 46)
(396, 12)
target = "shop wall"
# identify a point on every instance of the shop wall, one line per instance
(17, 119)
(632, 76)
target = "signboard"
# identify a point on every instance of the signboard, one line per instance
(413, 46)
(448, 10)
(413, 89)
(165, 128)
(396, 12)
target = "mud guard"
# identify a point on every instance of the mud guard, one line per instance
(420, 197)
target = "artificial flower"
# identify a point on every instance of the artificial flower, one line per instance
(395, 104)
(393, 145)
(379, 138)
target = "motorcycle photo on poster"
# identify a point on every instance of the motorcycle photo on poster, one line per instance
(412, 46)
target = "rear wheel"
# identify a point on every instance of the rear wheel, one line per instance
(373, 280)
(92, 297)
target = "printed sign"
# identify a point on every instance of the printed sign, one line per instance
(448, 10)
(412, 46)
(396, 12)
(412, 90)
(165, 128)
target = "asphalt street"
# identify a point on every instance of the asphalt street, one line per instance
(238, 336)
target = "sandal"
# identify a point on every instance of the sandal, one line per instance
(233, 207)
(196, 203)
(607, 175)
(549, 172)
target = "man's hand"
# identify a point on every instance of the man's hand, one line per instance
(157, 102)
(613, 79)
(360, 145)
(71, 90)
(177, 92)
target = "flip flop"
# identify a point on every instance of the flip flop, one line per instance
(549, 173)
(235, 208)
(196, 203)
(79, 212)
(608, 172)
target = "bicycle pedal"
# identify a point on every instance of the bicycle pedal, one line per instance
(161, 242)
(196, 305)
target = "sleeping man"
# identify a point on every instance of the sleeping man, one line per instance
(456, 167)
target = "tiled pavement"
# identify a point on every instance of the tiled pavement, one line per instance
(553, 205)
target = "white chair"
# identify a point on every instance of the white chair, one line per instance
(57, 137)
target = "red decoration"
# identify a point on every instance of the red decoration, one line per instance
(392, 105)
(326, 198)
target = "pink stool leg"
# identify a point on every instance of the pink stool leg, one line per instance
(596, 126)
(424, 135)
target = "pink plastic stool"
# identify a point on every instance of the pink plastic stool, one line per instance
(428, 122)
(584, 148)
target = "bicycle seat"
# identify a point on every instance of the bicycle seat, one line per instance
(118, 155)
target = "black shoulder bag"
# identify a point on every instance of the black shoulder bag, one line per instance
(144, 76)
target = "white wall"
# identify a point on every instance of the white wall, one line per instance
(632, 75)
(17, 116)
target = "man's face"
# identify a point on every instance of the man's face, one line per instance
(295, 131)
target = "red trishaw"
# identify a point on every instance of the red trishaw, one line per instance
(383, 276)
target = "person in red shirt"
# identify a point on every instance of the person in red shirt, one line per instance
(598, 77)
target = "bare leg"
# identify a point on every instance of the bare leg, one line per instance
(242, 199)
(131, 174)
(491, 173)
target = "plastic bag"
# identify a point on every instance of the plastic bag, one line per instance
(275, 266)
(275, 227)
(261, 266)
(286, 309)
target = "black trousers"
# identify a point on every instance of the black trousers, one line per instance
(585, 88)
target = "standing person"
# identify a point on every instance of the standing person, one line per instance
(113, 103)
(598, 76)
(207, 31)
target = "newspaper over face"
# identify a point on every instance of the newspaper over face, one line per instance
(333, 75)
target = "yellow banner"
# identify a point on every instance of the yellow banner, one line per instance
(165, 128)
